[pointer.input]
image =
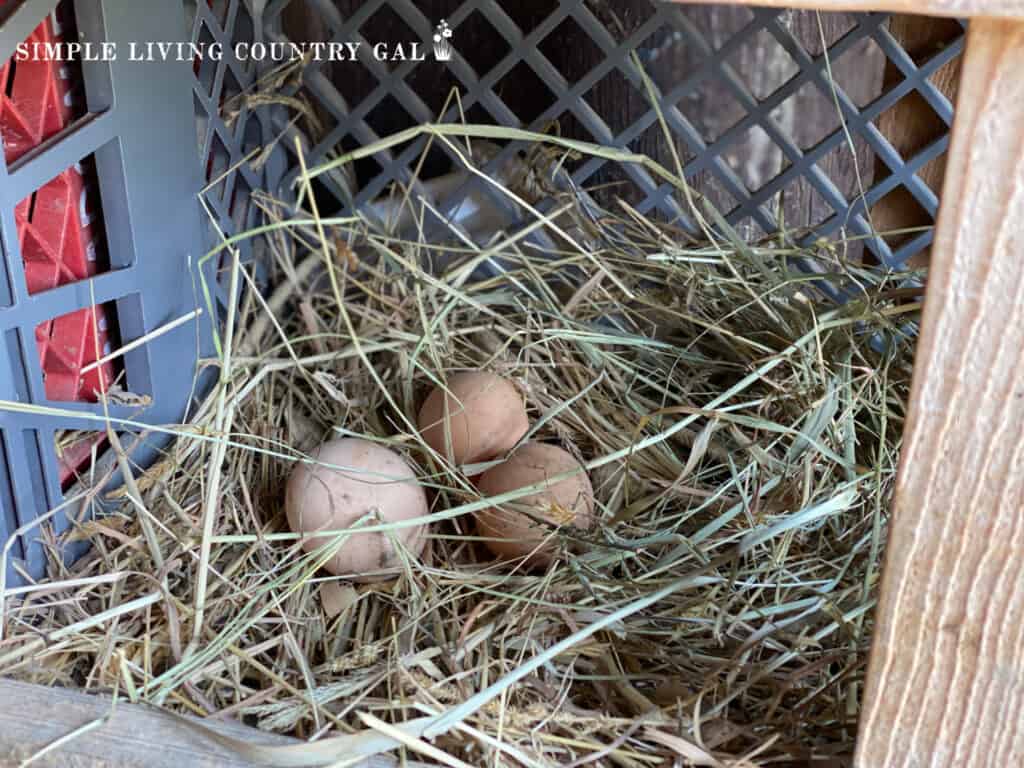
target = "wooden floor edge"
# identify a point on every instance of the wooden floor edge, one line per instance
(34, 716)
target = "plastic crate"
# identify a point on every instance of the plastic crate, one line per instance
(76, 272)
(55, 223)
(150, 174)
(368, 99)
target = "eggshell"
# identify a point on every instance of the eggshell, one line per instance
(319, 498)
(485, 415)
(512, 534)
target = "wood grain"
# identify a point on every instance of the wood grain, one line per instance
(809, 116)
(805, 117)
(912, 124)
(33, 716)
(946, 679)
(957, 9)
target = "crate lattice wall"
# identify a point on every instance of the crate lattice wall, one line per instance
(714, 156)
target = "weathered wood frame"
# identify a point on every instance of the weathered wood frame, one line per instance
(946, 677)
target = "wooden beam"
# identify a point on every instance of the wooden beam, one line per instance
(946, 678)
(34, 716)
(950, 8)
(911, 124)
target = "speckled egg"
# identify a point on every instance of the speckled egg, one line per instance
(375, 481)
(509, 531)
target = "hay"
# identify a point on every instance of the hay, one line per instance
(741, 433)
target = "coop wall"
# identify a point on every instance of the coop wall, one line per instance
(828, 124)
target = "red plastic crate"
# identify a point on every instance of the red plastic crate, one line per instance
(36, 98)
(54, 223)
(55, 233)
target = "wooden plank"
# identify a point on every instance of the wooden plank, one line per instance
(946, 679)
(957, 9)
(762, 65)
(912, 124)
(809, 115)
(33, 716)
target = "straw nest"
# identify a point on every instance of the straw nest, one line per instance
(740, 430)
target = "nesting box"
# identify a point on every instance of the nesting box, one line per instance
(789, 124)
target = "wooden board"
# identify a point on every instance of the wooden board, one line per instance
(762, 66)
(948, 8)
(33, 716)
(946, 679)
(911, 124)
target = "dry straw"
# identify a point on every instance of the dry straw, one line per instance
(741, 433)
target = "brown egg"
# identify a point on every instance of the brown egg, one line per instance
(485, 417)
(380, 483)
(570, 501)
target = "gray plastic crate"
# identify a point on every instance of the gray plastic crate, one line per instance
(150, 176)
(567, 61)
(371, 98)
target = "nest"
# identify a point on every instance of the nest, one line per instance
(741, 432)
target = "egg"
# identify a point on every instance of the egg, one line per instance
(377, 482)
(482, 413)
(570, 501)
